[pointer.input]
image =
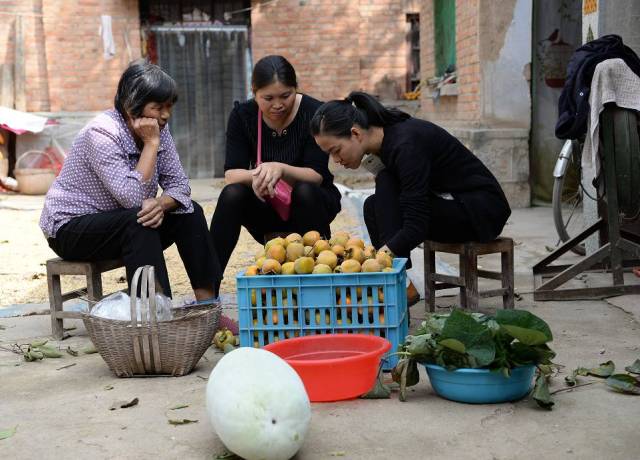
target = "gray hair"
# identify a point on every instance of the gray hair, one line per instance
(141, 84)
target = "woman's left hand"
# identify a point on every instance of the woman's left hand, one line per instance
(266, 175)
(151, 214)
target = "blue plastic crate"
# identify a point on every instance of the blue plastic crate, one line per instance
(277, 307)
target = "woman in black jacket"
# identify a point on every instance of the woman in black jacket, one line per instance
(432, 187)
(288, 153)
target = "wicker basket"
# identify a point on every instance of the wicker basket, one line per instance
(140, 348)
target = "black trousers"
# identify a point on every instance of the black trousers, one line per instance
(239, 207)
(117, 234)
(449, 222)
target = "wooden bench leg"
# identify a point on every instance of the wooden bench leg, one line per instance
(508, 279)
(55, 305)
(94, 286)
(469, 273)
(429, 283)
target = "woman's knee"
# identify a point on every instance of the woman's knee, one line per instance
(369, 207)
(305, 193)
(234, 195)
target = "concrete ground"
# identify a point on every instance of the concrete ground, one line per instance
(64, 412)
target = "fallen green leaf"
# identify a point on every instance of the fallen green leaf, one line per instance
(49, 352)
(624, 383)
(541, 393)
(379, 390)
(634, 368)
(4, 434)
(38, 343)
(181, 421)
(179, 406)
(571, 380)
(339, 453)
(33, 355)
(226, 456)
(71, 351)
(228, 348)
(604, 370)
(133, 402)
(89, 349)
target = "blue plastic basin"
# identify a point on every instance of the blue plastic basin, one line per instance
(480, 386)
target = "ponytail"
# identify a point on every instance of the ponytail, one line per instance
(337, 117)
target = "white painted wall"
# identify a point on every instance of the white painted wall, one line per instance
(506, 95)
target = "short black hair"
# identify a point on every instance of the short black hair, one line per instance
(143, 82)
(270, 69)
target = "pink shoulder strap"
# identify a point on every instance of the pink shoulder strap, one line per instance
(259, 156)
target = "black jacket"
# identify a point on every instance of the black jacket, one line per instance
(573, 105)
(424, 158)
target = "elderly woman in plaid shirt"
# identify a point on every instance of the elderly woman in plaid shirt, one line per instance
(104, 203)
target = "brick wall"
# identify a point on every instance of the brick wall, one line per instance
(63, 62)
(35, 96)
(80, 79)
(465, 107)
(337, 46)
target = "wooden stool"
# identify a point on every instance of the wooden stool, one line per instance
(469, 272)
(93, 292)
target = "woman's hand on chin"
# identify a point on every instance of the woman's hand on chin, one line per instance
(147, 129)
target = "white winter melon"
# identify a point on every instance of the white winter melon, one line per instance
(258, 405)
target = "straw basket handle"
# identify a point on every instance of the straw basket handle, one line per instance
(146, 347)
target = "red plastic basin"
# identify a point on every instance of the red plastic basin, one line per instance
(333, 367)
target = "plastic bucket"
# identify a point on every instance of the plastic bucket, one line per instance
(480, 386)
(334, 367)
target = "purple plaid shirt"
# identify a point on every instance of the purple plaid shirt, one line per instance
(99, 174)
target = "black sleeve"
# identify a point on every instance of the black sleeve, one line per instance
(412, 168)
(238, 153)
(313, 157)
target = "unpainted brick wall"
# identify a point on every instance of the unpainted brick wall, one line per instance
(63, 55)
(337, 46)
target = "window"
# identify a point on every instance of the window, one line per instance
(444, 14)
(413, 51)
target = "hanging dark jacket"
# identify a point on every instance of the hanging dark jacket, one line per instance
(573, 105)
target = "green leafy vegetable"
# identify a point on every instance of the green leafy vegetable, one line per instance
(511, 338)
(476, 338)
(524, 326)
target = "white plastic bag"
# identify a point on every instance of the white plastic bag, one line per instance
(118, 306)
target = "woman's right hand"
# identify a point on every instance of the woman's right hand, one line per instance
(148, 130)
